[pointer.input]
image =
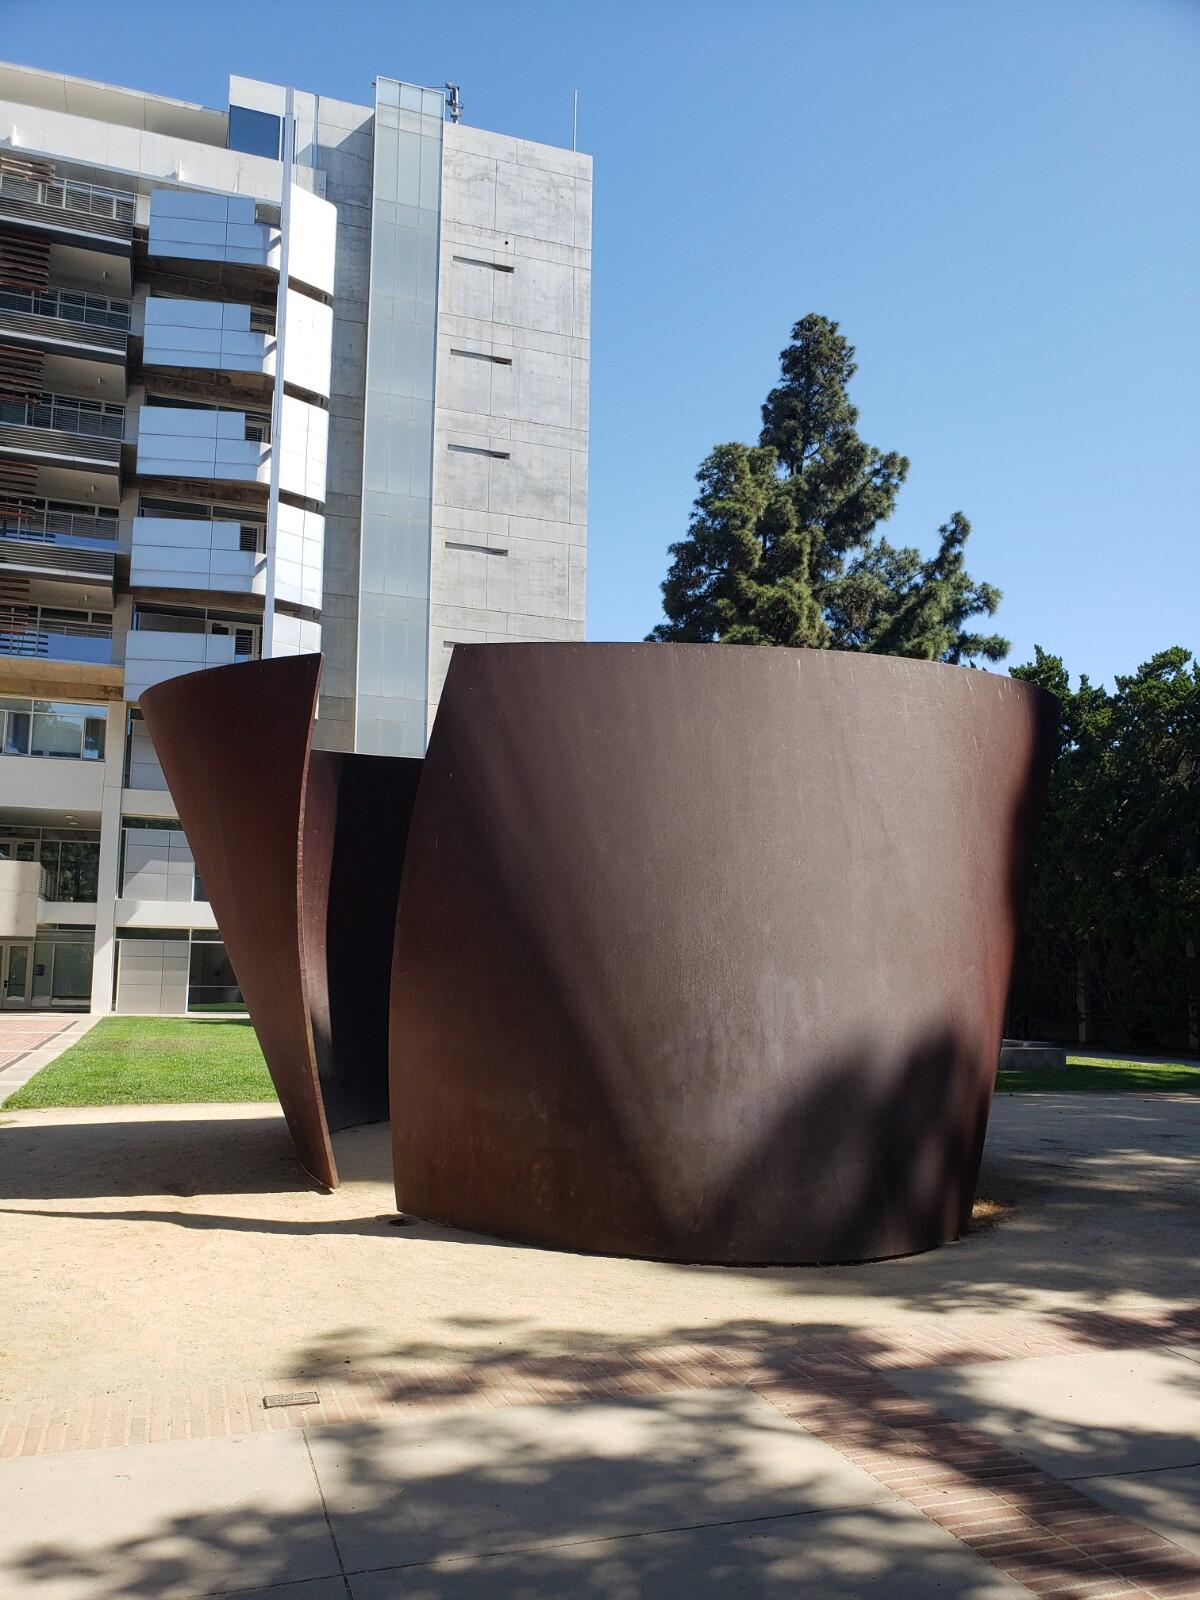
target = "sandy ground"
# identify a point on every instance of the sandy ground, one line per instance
(178, 1244)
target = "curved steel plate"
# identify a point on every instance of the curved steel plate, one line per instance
(300, 851)
(702, 951)
(234, 745)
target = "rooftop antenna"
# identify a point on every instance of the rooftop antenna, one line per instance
(574, 117)
(453, 102)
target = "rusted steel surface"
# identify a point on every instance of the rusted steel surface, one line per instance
(234, 747)
(702, 951)
(300, 851)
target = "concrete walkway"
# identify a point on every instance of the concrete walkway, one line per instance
(1015, 1414)
(29, 1041)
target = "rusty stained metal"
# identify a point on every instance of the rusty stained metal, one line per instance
(300, 851)
(703, 951)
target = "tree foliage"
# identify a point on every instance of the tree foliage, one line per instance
(783, 547)
(1113, 925)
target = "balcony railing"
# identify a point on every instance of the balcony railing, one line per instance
(42, 523)
(54, 428)
(65, 204)
(91, 417)
(28, 632)
(58, 556)
(60, 317)
(71, 305)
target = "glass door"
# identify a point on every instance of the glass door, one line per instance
(16, 970)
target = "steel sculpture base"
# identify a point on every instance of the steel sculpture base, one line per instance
(703, 952)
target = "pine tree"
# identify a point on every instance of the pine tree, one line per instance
(782, 545)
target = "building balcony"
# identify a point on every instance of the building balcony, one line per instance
(60, 545)
(56, 430)
(226, 556)
(209, 335)
(153, 655)
(211, 444)
(220, 336)
(204, 444)
(187, 553)
(188, 226)
(46, 633)
(65, 322)
(71, 212)
(38, 783)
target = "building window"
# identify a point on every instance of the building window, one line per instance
(51, 728)
(70, 859)
(70, 870)
(254, 133)
(212, 982)
(62, 970)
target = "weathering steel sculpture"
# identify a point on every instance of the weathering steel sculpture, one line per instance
(695, 952)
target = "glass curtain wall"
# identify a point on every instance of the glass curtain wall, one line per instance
(393, 627)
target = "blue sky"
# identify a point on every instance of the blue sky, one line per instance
(997, 199)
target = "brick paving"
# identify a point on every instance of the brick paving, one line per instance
(21, 1034)
(1041, 1532)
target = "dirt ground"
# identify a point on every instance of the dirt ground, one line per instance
(165, 1244)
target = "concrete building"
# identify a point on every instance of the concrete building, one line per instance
(295, 375)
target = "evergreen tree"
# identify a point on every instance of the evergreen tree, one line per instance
(1112, 932)
(782, 545)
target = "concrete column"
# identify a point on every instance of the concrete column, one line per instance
(104, 958)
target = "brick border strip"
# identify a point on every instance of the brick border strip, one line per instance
(72, 1420)
(1040, 1531)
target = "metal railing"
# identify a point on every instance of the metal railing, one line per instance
(85, 206)
(55, 443)
(91, 417)
(15, 618)
(69, 305)
(63, 557)
(41, 525)
(26, 633)
(63, 332)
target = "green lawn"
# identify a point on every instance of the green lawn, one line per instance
(152, 1060)
(170, 1060)
(1107, 1077)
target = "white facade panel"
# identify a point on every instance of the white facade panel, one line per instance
(152, 657)
(309, 345)
(207, 334)
(159, 865)
(189, 226)
(312, 245)
(20, 884)
(178, 553)
(28, 782)
(304, 447)
(296, 637)
(176, 441)
(145, 773)
(152, 976)
(299, 556)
